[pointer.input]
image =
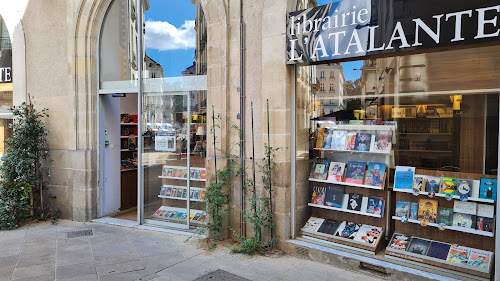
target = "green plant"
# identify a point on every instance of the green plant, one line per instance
(23, 167)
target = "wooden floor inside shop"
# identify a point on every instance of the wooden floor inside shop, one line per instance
(130, 215)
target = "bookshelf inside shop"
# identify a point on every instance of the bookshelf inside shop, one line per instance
(128, 158)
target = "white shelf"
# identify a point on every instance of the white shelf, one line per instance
(456, 228)
(126, 170)
(362, 127)
(132, 124)
(192, 211)
(345, 210)
(352, 151)
(126, 137)
(475, 199)
(348, 184)
(178, 198)
(123, 150)
(176, 178)
(184, 187)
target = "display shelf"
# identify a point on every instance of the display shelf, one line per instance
(353, 244)
(425, 134)
(348, 184)
(131, 124)
(362, 127)
(352, 151)
(474, 199)
(185, 187)
(178, 198)
(126, 137)
(423, 150)
(123, 150)
(345, 210)
(180, 210)
(126, 170)
(177, 178)
(455, 228)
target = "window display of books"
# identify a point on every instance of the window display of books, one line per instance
(179, 192)
(177, 214)
(176, 172)
(343, 140)
(432, 252)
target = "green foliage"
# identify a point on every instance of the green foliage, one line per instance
(22, 168)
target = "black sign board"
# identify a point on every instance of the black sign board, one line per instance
(122, 95)
(6, 66)
(358, 28)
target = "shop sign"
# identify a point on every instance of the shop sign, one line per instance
(358, 28)
(6, 66)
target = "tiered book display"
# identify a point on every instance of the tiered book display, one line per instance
(349, 186)
(444, 219)
(128, 157)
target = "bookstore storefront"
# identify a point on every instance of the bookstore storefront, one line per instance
(397, 159)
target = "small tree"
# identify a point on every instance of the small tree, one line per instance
(22, 169)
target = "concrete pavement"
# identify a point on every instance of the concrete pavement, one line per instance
(43, 251)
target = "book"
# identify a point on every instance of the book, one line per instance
(168, 214)
(320, 137)
(463, 220)
(419, 246)
(399, 242)
(351, 141)
(403, 177)
(375, 205)
(445, 215)
(320, 168)
(318, 193)
(488, 189)
(464, 187)
(336, 172)
(179, 215)
(458, 254)
(465, 207)
(432, 184)
(170, 172)
(329, 226)
(312, 224)
(448, 186)
(354, 202)
(438, 250)
(355, 172)
(479, 259)
(339, 140)
(334, 195)
(163, 191)
(327, 138)
(348, 230)
(484, 217)
(363, 142)
(419, 182)
(375, 175)
(203, 174)
(368, 234)
(413, 211)
(163, 212)
(402, 209)
(383, 141)
(202, 195)
(169, 191)
(158, 212)
(174, 214)
(427, 209)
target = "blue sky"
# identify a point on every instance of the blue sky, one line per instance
(170, 36)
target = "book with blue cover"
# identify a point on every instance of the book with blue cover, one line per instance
(464, 187)
(438, 250)
(403, 177)
(355, 172)
(334, 195)
(363, 142)
(488, 189)
(402, 209)
(375, 175)
(339, 140)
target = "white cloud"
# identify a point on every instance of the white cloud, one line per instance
(163, 36)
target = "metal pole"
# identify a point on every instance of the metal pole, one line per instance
(188, 187)
(140, 167)
(254, 189)
(294, 150)
(242, 123)
(270, 173)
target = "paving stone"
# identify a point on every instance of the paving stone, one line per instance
(36, 259)
(138, 275)
(119, 268)
(73, 257)
(10, 250)
(6, 272)
(91, 277)
(116, 258)
(161, 262)
(49, 277)
(8, 261)
(33, 271)
(123, 247)
(75, 270)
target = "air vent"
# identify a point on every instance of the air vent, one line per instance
(79, 233)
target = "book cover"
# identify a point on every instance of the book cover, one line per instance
(184, 216)
(375, 175)
(458, 254)
(351, 141)
(368, 234)
(202, 195)
(464, 207)
(320, 168)
(348, 230)
(336, 172)
(403, 177)
(464, 187)
(419, 182)
(318, 193)
(157, 213)
(170, 172)
(375, 205)
(312, 224)
(413, 211)
(203, 174)
(484, 217)
(399, 242)
(196, 216)
(488, 189)
(354, 202)
(479, 259)
(432, 184)
(463, 220)
(363, 142)
(438, 250)
(445, 215)
(419, 246)
(169, 191)
(163, 191)
(402, 209)
(339, 140)
(327, 138)
(203, 218)
(329, 226)
(179, 215)
(427, 209)
(485, 210)
(168, 214)
(383, 141)
(448, 186)
(320, 137)
(174, 214)
(334, 195)
(355, 172)
(163, 212)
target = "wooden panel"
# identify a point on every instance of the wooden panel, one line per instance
(128, 189)
(472, 134)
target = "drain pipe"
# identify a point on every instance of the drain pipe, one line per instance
(242, 122)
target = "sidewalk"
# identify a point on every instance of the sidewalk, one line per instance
(43, 252)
